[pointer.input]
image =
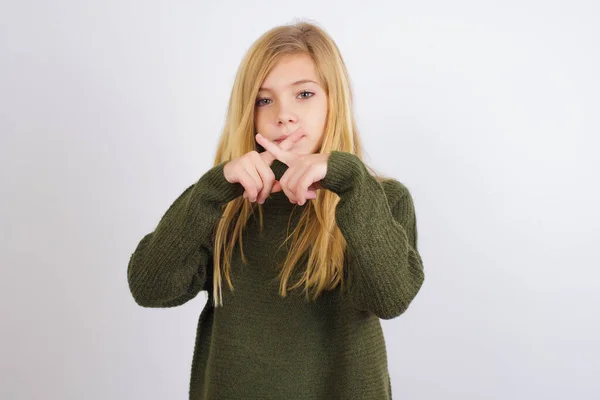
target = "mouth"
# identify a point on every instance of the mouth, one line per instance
(283, 137)
(281, 140)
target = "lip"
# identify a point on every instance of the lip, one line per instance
(283, 137)
(281, 140)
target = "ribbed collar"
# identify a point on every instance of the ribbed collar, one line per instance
(278, 168)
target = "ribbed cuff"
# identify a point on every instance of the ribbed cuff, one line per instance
(343, 171)
(215, 188)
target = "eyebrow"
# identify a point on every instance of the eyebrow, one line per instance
(293, 84)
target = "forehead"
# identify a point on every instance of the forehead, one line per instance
(290, 69)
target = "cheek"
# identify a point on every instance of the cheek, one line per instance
(317, 114)
(259, 121)
(262, 119)
(323, 111)
(320, 119)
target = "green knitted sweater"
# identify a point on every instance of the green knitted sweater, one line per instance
(260, 345)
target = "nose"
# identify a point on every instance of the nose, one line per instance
(286, 115)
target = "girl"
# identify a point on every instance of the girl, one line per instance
(300, 317)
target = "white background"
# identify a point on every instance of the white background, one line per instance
(486, 110)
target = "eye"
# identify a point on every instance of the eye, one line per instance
(263, 101)
(307, 92)
(259, 102)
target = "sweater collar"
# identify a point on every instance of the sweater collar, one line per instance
(279, 201)
(278, 168)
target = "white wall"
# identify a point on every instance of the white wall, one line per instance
(487, 111)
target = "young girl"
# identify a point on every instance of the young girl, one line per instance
(300, 316)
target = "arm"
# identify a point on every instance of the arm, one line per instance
(169, 265)
(384, 268)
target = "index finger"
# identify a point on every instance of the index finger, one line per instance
(289, 141)
(285, 145)
(280, 154)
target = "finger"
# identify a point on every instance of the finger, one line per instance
(303, 188)
(294, 177)
(248, 182)
(258, 183)
(286, 145)
(284, 186)
(276, 187)
(267, 177)
(280, 154)
(267, 157)
(316, 185)
(289, 141)
(300, 193)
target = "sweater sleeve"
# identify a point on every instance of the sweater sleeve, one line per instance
(169, 265)
(378, 222)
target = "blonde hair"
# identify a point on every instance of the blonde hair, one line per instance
(316, 231)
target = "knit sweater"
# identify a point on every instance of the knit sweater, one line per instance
(260, 345)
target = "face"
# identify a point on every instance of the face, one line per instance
(292, 97)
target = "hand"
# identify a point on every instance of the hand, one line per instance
(253, 172)
(301, 180)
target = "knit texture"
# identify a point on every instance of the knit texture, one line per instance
(260, 345)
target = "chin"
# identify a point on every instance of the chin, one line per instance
(303, 151)
(304, 147)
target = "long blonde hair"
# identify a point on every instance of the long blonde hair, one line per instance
(316, 231)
